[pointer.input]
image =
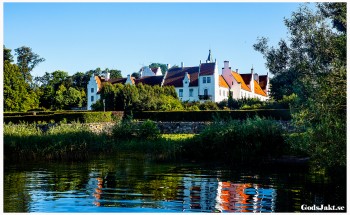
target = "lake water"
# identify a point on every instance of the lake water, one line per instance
(129, 184)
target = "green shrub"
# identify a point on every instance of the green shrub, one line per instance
(208, 105)
(246, 140)
(128, 130)
(148, 130)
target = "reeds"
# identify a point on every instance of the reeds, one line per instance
(62, 142)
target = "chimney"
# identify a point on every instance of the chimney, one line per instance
(226, 64)
(237, 70)
(108, 75)
(182, 64)
(252, 70)
(200, 62)
(256, 77)
(168, 66)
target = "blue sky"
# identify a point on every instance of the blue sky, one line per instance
(77, 37)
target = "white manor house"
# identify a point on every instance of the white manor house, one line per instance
(195, 83)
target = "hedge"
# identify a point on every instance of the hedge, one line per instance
(211, 115)
(83, 117)
(28, 113)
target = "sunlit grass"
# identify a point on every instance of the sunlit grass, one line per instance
(178, 136)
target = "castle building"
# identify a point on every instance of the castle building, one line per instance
(194, 83)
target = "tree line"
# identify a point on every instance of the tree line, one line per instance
(53, 91)
(58, 90)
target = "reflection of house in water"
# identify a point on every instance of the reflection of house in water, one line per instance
(199, 193)
(244, 198)
(209, 195)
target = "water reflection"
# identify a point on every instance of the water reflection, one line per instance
(131, 185)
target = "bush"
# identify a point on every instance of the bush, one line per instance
(208, 105)
(128, 130)
(246, 140)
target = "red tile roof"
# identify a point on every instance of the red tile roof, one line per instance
(247, 78)
(257, 89)
(222, 82)
(117, 80)
(263, 82)
(207, 69)
(175, 76)
(150, 80)
(239, 79)
(99, 83)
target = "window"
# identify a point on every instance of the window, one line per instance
(205, 92)
(92, 97)
(204, 80)
(92, 90)
(191, 92)
(208, 80)
(181, 92)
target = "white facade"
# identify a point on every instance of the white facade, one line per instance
(92, 89)
(146, 71)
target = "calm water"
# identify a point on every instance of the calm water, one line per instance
(125, 184)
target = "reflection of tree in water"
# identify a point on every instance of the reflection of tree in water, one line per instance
(16, 196)
(131, 184)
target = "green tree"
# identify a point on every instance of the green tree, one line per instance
(7, 55)
(114, 73)
(162, 66)
(312, 65)
(27, 60)
(135, 75)
(74, 98)
(17, 95)
(60, 99)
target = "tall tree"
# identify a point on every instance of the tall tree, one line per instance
(27, 60)
(17, 95)
(7, 55)
(312, 65)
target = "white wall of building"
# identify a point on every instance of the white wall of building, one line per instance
(92, 89)
(223, 93)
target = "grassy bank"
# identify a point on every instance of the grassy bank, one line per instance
(231, 141)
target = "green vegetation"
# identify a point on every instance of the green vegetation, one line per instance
(64, 142)
(231, 141)
(316, 75)
(248, 140)
(137, 98)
